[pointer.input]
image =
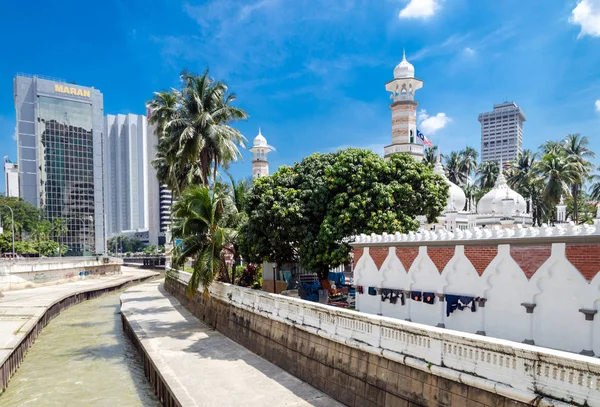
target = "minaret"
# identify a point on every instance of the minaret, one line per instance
(404, 111)
(260, 149)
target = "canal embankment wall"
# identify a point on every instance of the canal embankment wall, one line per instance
(370, 360)
(18, 274)
(26, 312)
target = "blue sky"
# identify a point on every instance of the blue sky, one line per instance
(311, 73)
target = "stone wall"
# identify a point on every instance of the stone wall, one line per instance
(364, 361)
(536, 285)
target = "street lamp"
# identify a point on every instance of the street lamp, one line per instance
(12, 214)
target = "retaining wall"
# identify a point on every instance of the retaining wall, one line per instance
(364, 360)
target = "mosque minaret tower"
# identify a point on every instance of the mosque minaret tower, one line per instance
(404, 111)
(260, 149)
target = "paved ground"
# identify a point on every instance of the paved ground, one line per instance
(204, 367)
(21, 309)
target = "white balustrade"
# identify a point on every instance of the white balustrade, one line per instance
(514, 370)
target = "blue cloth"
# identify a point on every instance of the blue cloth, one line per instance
(287, 277)
(372, 291)
(338, 279)
(312, 291)
(460, 302)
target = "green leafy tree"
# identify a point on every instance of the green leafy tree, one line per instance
(198, 221)
(454, 168)
(577, 149)
(468, 161)
(558, 173)
(308, 212)
(430, 156)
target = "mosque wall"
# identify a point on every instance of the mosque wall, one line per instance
(532, 285)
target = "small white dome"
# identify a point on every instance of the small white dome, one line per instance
(456, 196)
(404, 69)
(259, 140)
(492, 201)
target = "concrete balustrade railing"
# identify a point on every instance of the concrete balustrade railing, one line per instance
(517, 371)
(478, 233)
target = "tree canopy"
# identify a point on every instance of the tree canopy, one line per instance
(308, 211)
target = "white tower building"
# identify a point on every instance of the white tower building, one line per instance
(260, 149)
(404, 111)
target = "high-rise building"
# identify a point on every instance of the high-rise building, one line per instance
(404, 111)
(59, 136)
(502, 132)
(11, 178)
(126, 170)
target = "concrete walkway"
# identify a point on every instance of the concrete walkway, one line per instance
(201, 366)
(21, 310)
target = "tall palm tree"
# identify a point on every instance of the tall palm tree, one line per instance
(521, 171)
(58, 229)
(472, 193)
(578, 152)
(558, 173)
(195, 125)
(198, 219)
(430, 156)
(468, 161)
(552, 147)
(487, 173)
(453, 168)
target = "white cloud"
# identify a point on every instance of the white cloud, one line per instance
(597, 104)
(587, 15)
(420, 9)
(431, 124)
(469, 51)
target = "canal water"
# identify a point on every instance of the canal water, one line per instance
(82, 358)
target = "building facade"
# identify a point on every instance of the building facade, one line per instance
(11, 178)
(502, 132)
(59, 137)
(404, 111)
(126, 163)
(260, 149)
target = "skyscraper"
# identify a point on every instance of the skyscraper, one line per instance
(502, 132)
(59, 138)
(11, 178)
(126, 166)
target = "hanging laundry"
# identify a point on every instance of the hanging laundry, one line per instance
(416, 295)
(398, 294)
(360, 289)
(372, 291)
(386, 294)
(460, 302)
(392, 295)
(428, 298)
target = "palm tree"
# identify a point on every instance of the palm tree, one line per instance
(198, 219)
(430, 156)
(468, 162)
(552, 147)
(454, 170)
(58, 229)
(194, 130)
(487, 172)
(577, 150)
(472, 193)
(520, 172)
(557, 172)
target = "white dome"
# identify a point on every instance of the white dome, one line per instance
(456, 196)
(492, 201)
(260, 140)
(404, 69)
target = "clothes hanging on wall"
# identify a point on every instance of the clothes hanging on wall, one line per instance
(428, 298)
(392, 295)
(460, 302)
(360, 289)
(372, 291)
(416, 295)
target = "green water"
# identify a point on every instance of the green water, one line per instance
(82, 358)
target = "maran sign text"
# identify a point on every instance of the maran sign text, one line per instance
(72, 91)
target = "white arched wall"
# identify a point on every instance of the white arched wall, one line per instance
(560, 291)
(394, 276)
(460, 278)
(505, 287)
(367, 275)
(424, 276)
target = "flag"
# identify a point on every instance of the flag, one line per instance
(424, 139)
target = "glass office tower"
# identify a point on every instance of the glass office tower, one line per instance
(59, 130)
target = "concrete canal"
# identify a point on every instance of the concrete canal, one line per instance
(82, 358)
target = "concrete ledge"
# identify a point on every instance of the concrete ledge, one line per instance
(26, 312)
